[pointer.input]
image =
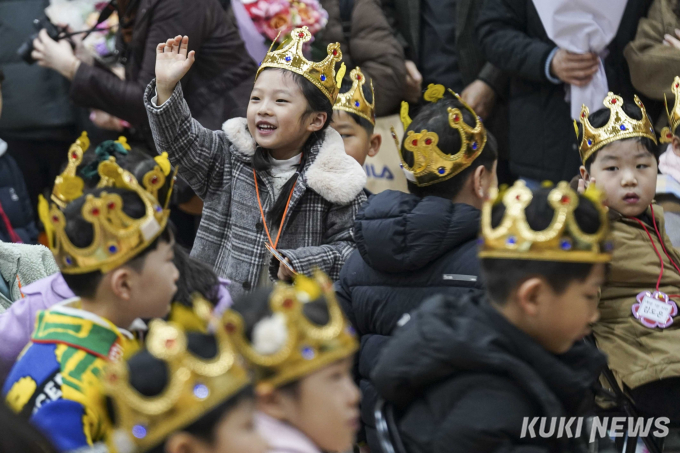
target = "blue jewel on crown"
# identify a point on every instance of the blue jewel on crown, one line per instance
(201, 391)
(307, 353)
(357, 103)
(441, 170)
(590, 142)
(474, 146)
(565, 244)
(511, 240)
(623, 127)
(139, 431)
(68, 261)
(288, 58)
(323, 78)
(158, 208)
(113, 249)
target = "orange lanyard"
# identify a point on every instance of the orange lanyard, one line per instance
(283, 219)
(658, 235)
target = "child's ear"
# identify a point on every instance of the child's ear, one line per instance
(584, 173)
(676, 145)
(375, 142)
(528, 295)
(182, 442)
(316, 121)
(273, 403)
(119, 282)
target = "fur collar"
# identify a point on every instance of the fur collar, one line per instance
(334, 175)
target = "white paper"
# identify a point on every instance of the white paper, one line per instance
(655, 310)
(582, 26)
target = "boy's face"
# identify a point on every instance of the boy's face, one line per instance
(562, 319)
(152, 289)
(358, 143)
(626, 172)
(326, 406)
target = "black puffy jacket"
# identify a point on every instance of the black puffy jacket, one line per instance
(408, 249)
(14, 202)
(461, 378)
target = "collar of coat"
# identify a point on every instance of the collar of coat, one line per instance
(333, 174)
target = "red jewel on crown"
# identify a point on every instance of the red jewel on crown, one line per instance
(613, 101)
(301, 35)
(456, 118)
(169, 343)
(55, 219)
(358, 77)
(231, 328)
(414, 142)
(565, 199)
(669, 135)
(428, 141)
(74, 155)
(154, 180)
(95, 211)
(111, 205)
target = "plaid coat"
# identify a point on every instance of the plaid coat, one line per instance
(317, 231)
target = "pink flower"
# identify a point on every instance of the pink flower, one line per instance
(273, 16)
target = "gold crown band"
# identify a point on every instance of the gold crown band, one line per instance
(562, 241)
(195, 386)
(430, 164)
(667, 133)
(619, 127)
(354, 101)
(289, 56)
(307, 347)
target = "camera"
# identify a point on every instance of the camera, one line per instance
(52, 30)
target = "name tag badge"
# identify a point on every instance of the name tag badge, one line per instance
(654, 309)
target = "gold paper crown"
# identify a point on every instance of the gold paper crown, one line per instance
(195, 385)
(68, 186)
(562, 240)
(117, 237)
(305, 346)
(620, 126)
(322, 74)
(674, 115)
(431, 165)
(353, 101)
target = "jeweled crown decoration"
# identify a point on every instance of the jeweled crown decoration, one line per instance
(431, 165)
(67, 186)
(117, 237)
(289, 56)
(620, 126)
(305, 346)
(562, 240)
(195, 385)
(353, 101)
(673, 115)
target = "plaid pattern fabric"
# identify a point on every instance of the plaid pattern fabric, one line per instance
(231, 238)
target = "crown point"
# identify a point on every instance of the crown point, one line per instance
(428, 141)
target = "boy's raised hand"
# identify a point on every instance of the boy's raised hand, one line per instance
(172, 63)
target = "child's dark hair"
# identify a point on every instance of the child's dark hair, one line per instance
(601, 117)
(194, 276)
(368, 94)
(434, 117)
(316, 102)
(502, 276)
(19, 435)
(81, 234)
(254, 307)
(135, 161)
(149, 376)
(2, 76)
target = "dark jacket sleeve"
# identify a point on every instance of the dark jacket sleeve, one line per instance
(476, 425)
(503, 34)
(20, 187)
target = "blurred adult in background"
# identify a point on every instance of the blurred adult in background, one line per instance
(367, 41)
(211, 87)
(542, 142)
(39, 121)
(440, 42)
(654, 55)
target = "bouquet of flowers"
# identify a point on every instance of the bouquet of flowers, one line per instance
(272, 17)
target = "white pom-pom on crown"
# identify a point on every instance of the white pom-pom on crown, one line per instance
(270, 334)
